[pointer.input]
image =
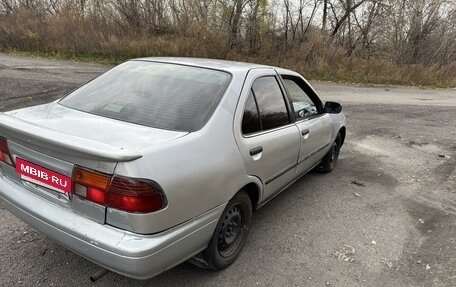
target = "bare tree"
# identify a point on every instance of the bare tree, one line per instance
(348, 9)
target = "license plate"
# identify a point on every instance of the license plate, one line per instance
(43, 176)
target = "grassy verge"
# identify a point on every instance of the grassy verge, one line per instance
(89, 58)
(338, 69)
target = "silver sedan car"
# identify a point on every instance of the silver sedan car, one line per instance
(163, 160)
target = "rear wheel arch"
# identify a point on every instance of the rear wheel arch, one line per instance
(253, 192)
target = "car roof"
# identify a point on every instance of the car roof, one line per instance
(225, 65)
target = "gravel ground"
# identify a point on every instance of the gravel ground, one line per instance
(384, 217)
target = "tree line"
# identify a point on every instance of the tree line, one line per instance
(394, 41)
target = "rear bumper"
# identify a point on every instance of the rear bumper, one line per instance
(133, 255)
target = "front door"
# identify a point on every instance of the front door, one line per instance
(314, 125)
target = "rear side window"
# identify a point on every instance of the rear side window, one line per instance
(160, 95)
(271, 104)
(251, 119)
(265, 107)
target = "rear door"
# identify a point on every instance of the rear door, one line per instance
(314, 125)
(267, 137)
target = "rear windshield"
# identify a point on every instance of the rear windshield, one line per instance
(159, 95)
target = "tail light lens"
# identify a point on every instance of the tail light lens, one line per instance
(134, 195)
(5, 155)
(127, 194)
(91, 185)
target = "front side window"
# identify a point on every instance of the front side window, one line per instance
(160, 95)
(271, 104)
(303, 105)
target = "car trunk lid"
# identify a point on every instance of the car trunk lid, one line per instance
(89, 135)
(46, 143)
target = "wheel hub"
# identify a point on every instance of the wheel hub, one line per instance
(231, 228)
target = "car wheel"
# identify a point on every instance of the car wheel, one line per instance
(231, 233)
(329, 162)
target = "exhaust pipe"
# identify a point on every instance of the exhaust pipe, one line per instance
(98, 275)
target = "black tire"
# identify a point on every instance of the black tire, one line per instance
(329, 162)
(231, 233)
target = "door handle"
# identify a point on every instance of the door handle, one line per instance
(256, 150)
(305, 134)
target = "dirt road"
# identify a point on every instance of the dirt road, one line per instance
(385, 217)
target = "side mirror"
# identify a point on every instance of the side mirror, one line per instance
(333, 108)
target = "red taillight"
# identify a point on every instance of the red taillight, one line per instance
(127, 194)
(5, 155)
(96, 195)
(134, 195)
